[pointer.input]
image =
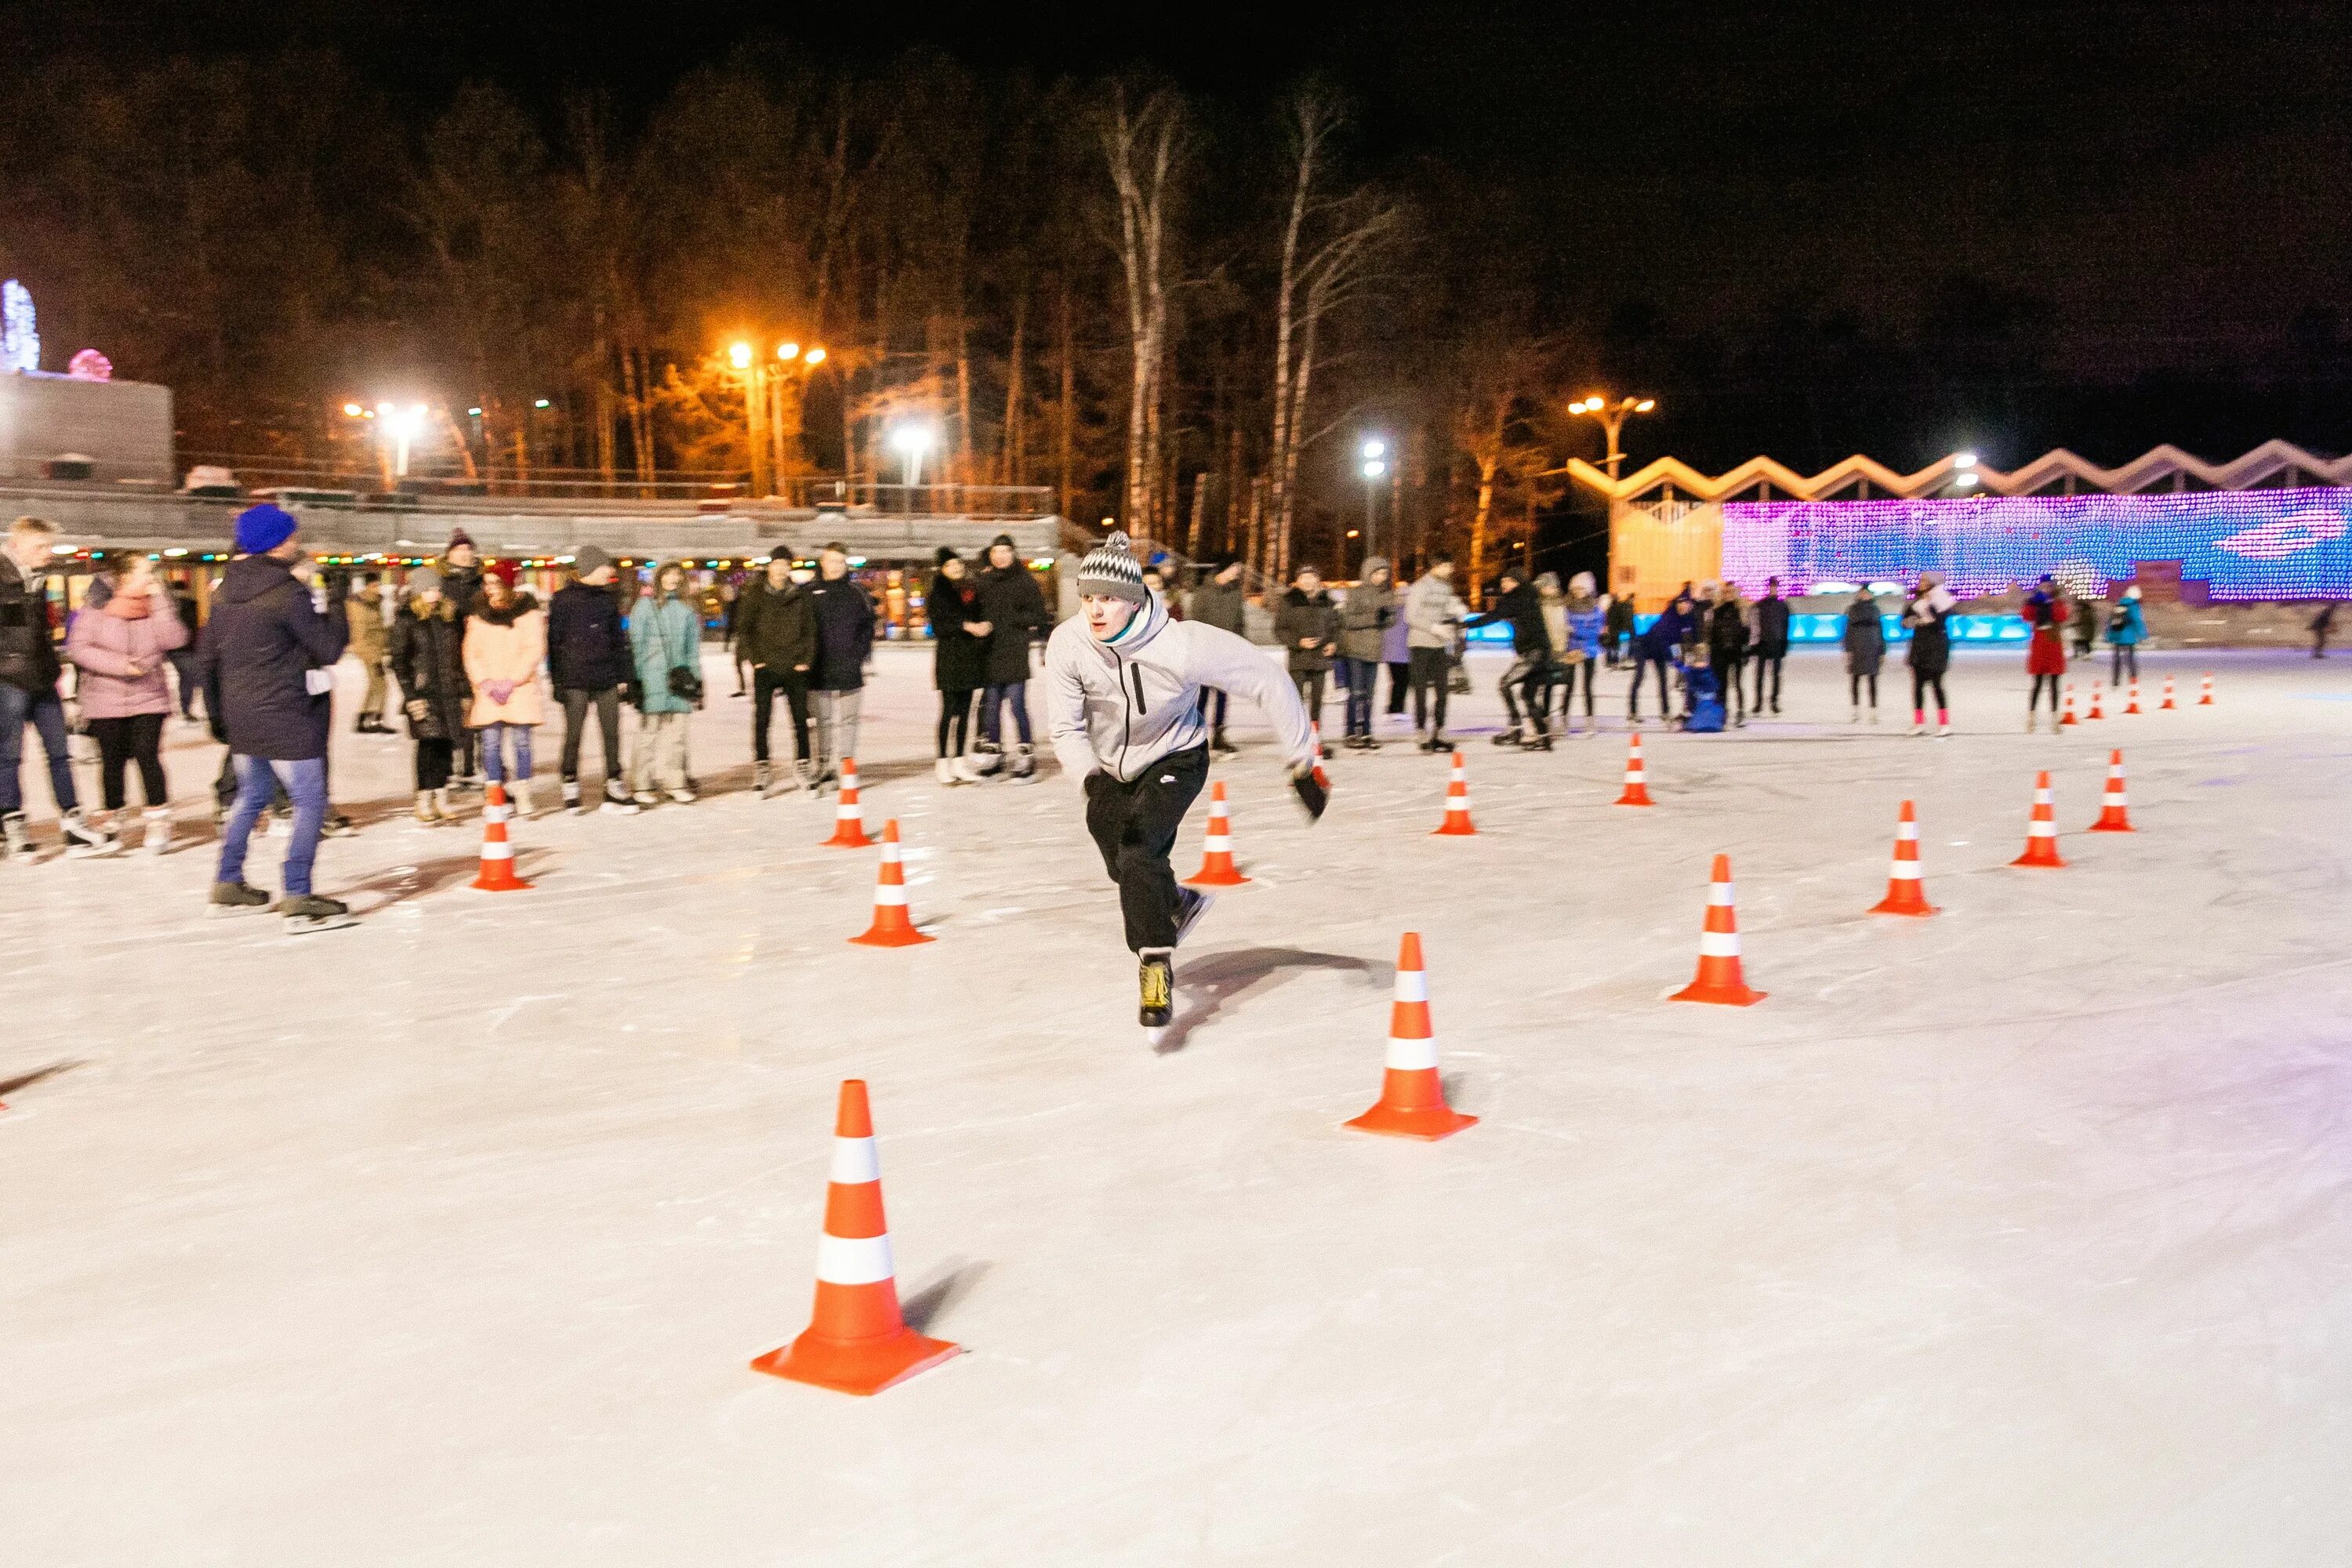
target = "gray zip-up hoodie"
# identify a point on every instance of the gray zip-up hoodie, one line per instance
(1119, 707)
(1429, 604)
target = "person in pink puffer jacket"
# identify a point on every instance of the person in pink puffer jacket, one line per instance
(506, 639)
(121, 647)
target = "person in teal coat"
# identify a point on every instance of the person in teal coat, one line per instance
(666, 645)
(2127, 629)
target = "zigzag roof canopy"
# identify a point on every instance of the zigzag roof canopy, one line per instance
(2166, 468)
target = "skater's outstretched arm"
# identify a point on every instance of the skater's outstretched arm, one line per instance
(1229, 663)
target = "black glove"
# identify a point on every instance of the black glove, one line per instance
(629, 692)
(1313, 789)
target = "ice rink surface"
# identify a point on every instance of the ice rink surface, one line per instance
(2019, 1235)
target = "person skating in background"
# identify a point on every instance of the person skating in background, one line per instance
(2127, 629)
(665, 654)
(1396, 652)
(1219, 601)
(2321, 624)
(589, 661)
(844, 618)
(958, 663)
(29, 669)
(1528, 679)
(1587, 624)
(364, 613)
(122, 647)
(1617, 627)
(1726, 647)
(1015, 613)
(1364, 622)
(1866, 650)
(1701, 692)
(506, 639)
(1658, 648)
(1929, 606)
(1433, 614)
(1123, 684)
(1308, 628)
(183, 659)
(775, 629)
(427, 655)
(461, 582)
(266, 658)
(2045, 613)
(730, 628)
(2082, 617)
(1771, 649)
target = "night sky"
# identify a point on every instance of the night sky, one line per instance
(2163, 186)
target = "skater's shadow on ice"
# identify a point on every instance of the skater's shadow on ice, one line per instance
(1205, 987)
(9, 1086)
(401, 883)
(929, 1302)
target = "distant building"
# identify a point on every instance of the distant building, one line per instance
(71, 428)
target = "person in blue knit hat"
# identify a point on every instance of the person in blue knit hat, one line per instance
(266, 659)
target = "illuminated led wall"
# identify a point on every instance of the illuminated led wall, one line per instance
(2242, 544)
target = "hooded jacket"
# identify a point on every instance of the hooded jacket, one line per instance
(2126, 625)
(1366, 617)
(427, 656)
(1307, 619)
(1429, 605)
(960, 662)
(28, 656)
(1584, 623)
(776, 627)
(665, 634)
(1119, 707)
(1221, 605)
(1931, 641)
(103, 647)
(1726, 631)
(586, 648)
(255, 657)
(1677, 624)
(502, 651)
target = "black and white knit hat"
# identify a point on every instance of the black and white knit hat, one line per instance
(1112, 569)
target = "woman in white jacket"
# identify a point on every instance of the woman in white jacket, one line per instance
(1123, 681)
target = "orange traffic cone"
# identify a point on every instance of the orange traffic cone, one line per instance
(1457, 804)
(2098, 712)
(2168, 705)
(1903, 894)
(498, 873)
(2114, 810)
(855, 1341)
(849, 817)
(892, 926)
(2041, 833)
(2205, 699)
(1718, 978)
(1637, 778)
(2070, 717)
(2134, 706)
(1217, 869)
(1412, 1097)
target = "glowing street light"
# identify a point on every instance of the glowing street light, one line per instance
(739, 355)
(1612, 417)
(911, 441)
(788, 350)
(814, 356)
(1375, 449)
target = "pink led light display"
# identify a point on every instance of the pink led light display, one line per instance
(2242, 544)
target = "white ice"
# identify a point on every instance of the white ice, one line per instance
(2020, 1236)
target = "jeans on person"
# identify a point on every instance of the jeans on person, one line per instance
(1431, 669)
(1767, 663)
(183, 661)
(134, 738)
(45, 714)
(1644, 661)
(577, 700)
(257, 779)
(1135, 826)
(1361, 674)
(494, 752)
(992, 716)
(766, 682)
(2126, 657)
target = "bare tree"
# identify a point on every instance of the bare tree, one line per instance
(1141, 147)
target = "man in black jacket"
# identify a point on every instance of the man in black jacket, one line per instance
(1529, 676)
(461, 580)
(1771, 641)
(1015, 613)
(844, 618)
(775, 633)
(588, 660)
(29, 694)
(267, 658)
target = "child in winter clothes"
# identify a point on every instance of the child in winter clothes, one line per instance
(1702, 696)
(121, 647)
(506, 639)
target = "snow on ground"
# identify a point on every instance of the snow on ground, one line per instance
(2020, 1236)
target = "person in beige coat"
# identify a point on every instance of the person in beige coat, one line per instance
(506, 639)
(370, 641)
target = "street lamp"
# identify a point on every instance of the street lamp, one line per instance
(911, 441)
(1375, 450)
(1612, 417)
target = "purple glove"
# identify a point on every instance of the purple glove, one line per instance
(500, 690)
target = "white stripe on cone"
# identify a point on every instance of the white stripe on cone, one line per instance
(853, 1260)
(1410, 1056)
(1413, 985)
(1718, 944)
(497, 850)
(1905, 871)
(854, 1160)
(1719, 893)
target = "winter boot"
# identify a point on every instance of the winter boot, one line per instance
(84, 839)
(968, 771)
(522, 799)
(16, 843)
(571, 797)
(1025, 765)
(427, 814)
(1156, 987)
(992, 758)
(441, 807)
(762, 776)
(157, 839)
(237, 897)
(944, 772)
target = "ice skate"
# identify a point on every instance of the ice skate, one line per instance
(1943, 731)
(646, 797)
(1191, 905)
(338, 826)
(85, 840)
(1156, 986)
(237, 899)
(682, 797)
(1857, 714)
(967, 771)
(1874, 715)
(616, 800)
(571, 797)
(157, 840)
(1539, 742)
(522, 799)
(1025, 765)
(762, 775)
(306, 912)
(1509, 737)
(2031, 720)
(944, 772)
(1220, 746)
(991, 758)
(428, 815)
(1917, 728)
(16, 843)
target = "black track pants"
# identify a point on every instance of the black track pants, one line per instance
(1135, 826)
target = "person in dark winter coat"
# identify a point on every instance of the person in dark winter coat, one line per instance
(1617, 627)
(1220, 602)
(1307, 626)
(589, 662)
(29, 669)
(959, 662)
(267, 658)
(1771, 649)
(1529, 676)
(844, 637)
(1726, 649)
(1658, 648)
(461, 583)
(428, 654)
(1364, 624)
(1015, 613)
(2046, 613)
(776, 634)
(1866, 650)
(1929, 606)
(2321, 624)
